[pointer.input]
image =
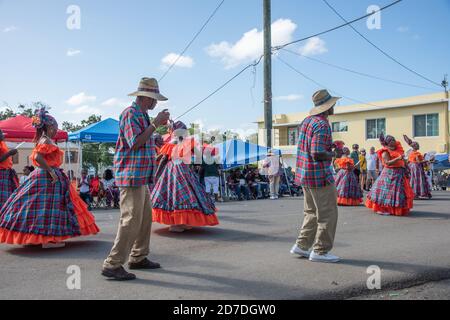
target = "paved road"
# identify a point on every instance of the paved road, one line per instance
(439, 290)
(246, 257)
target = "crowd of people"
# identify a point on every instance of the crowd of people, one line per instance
(152, 182)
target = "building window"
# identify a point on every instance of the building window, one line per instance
(293, 136)
(15, 158)
(374, 128)
(340, 126)
(426, 125)
(73, 156)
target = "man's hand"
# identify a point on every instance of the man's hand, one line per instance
(162, 118)
(12, 152)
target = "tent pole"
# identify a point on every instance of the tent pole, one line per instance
(285, 174)
(68, 155)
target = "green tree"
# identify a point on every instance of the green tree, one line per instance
(7, 113)
(95, 155)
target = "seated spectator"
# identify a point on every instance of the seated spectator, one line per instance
(252, 184)
(96, 187)
(111, 190)
(84, 187)
(27, 170)
(236, 182)
(263, 184)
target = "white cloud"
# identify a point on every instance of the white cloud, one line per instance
(183, 61)
(10, 29)
(80, 99)
(73, 52)
(251, 45)
(403, 29)
(85, 109)
(314, 46)
(114, 103)
(289, 98)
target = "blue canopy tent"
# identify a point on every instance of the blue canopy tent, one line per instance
(101, 132)
(236, 153)
(106, 131)
(441, 162)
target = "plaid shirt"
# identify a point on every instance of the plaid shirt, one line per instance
(134, 168)
(315, 136)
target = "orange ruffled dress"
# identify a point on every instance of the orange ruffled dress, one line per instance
(40, 212)
(418, 180)
(178, 197)
(348, 188)
(392, 192)
(8, 177)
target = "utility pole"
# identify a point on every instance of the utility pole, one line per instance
(268, 72)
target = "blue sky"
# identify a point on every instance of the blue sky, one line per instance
(79, 72)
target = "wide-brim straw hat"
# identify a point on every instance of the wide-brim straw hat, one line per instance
(148, 87)
(323, 101)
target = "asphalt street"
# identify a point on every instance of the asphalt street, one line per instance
(246, 257)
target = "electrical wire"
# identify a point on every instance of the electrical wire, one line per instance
(379, 49)
(356, 72)
(323, 86)
(192, 41)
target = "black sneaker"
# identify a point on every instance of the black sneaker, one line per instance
(144, 264)
(118, 274)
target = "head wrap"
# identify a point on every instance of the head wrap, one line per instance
(42, 118)
(411, 143)
(386, 140)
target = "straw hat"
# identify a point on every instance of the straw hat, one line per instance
(323, 101)
(148, 87)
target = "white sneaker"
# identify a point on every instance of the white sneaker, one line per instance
(187, 228)
(298, 251)
(327, 258)
(176, 229)
(53, 245)
(273, 198)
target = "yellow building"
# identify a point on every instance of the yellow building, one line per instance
(423, 118)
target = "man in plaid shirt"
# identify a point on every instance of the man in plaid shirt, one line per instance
(134, 165)
(314, 161)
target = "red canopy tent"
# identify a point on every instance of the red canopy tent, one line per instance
(20, 129)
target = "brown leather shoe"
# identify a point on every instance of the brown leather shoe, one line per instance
(144, 264)
(118, 274)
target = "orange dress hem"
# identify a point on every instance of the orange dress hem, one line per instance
(349, 202)
(194, 218)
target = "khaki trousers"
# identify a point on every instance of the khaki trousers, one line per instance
(133, 236)
(320, 222)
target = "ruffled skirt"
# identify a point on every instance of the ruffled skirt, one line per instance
(391, 193)
(178, 198)
(40, 212)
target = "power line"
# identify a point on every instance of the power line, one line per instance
(221, 87)
(378, 48)
(193, 39)
(338, 27)
(322, 86)
(356, 72)
(277, 48)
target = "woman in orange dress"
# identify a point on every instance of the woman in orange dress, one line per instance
(8, 177)
(391, 193)
(348, 188)
(417, 163)
(178, 198)
(46, 209)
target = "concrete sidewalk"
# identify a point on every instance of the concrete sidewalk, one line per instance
(246, 257)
